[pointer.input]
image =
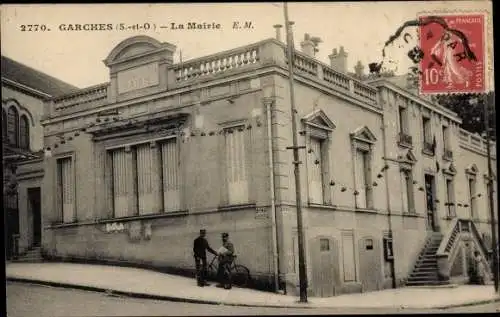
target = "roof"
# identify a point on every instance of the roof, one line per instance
(33, 78)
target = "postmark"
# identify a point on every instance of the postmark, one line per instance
(453, 55)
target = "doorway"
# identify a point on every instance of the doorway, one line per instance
(34, 197)
(370, 262)
(430, 195)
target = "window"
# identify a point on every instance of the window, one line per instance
(369, 244)
(349, 261)
(363, 181)
(24, 133)
(145, 178)
(324, 244)
(119, 172)
(4, 124)
(142, 176)
(450, 197)
(426, 126)
(363, 141)
(12, 126)
(446, 137)
(472, 196)
(315, 173)
(403, 120)
(170, 175)
(407, 190)
(65, 189)
(236, 165)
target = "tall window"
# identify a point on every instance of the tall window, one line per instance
(65, 189)
(236, 165)
(12, 126)
(450, 197)
(119, 172)
(24, 133)
(4, 124)
(407, 190)
(446, 138)
(146, 178)
(363, 179)
(403, 120)
(315, 173)
(472, 198)
(426, 129)
(170, 175)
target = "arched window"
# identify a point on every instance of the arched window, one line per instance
(4, 125)
(24, 133)
(12, 126)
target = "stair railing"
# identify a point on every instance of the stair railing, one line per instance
(482, 247)
(446, 247)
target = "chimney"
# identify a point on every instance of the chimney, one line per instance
(307, 45)
(359, 70)
(278, 27)
(338, 60)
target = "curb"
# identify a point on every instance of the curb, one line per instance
(489, 301)
(145, 296)
(212, 302)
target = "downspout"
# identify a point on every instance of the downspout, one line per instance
(388, 198)
(273, 197)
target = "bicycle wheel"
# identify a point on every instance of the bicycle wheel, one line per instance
(241, 275)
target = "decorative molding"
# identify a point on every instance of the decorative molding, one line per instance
(363, 134)
(319, 119)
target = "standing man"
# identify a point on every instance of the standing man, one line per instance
(226, 257)
(200, 246)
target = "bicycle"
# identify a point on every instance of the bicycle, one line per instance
(240, 274)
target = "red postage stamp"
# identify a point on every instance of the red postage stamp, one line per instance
(453, 54)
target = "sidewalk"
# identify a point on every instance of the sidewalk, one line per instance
(155, 285)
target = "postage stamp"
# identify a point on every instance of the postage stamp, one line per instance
(453, 54)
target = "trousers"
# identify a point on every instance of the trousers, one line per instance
(224, 274)
(201, 269)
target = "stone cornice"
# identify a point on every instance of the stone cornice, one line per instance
(435, 108)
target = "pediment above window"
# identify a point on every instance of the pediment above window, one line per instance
(472, 169)
(451, 170)
(364, 134)
(319, 119)
(408, 158)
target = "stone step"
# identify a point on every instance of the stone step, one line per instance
(427, 283)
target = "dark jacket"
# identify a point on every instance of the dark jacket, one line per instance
(200, 246)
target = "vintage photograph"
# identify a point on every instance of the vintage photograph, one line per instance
(272, 158)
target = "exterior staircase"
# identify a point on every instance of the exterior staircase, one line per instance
(32, 255)
(425, 271)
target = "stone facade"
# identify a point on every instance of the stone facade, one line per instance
(162, 150)
(24, 92)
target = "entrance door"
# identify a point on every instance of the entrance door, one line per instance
(34, 197)
(430, 195)
(11, 223)
(370, 264)
(325, 277)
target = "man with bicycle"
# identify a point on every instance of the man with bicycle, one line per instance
(200, 246)
(226, 257)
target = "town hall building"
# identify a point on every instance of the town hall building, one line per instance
(134, 167)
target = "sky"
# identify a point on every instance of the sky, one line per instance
(76, 56)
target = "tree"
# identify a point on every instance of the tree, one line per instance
(470, 108)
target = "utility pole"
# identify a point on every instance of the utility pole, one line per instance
(486, 100)
(296, 162)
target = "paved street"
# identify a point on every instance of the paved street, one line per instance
(26, 300)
